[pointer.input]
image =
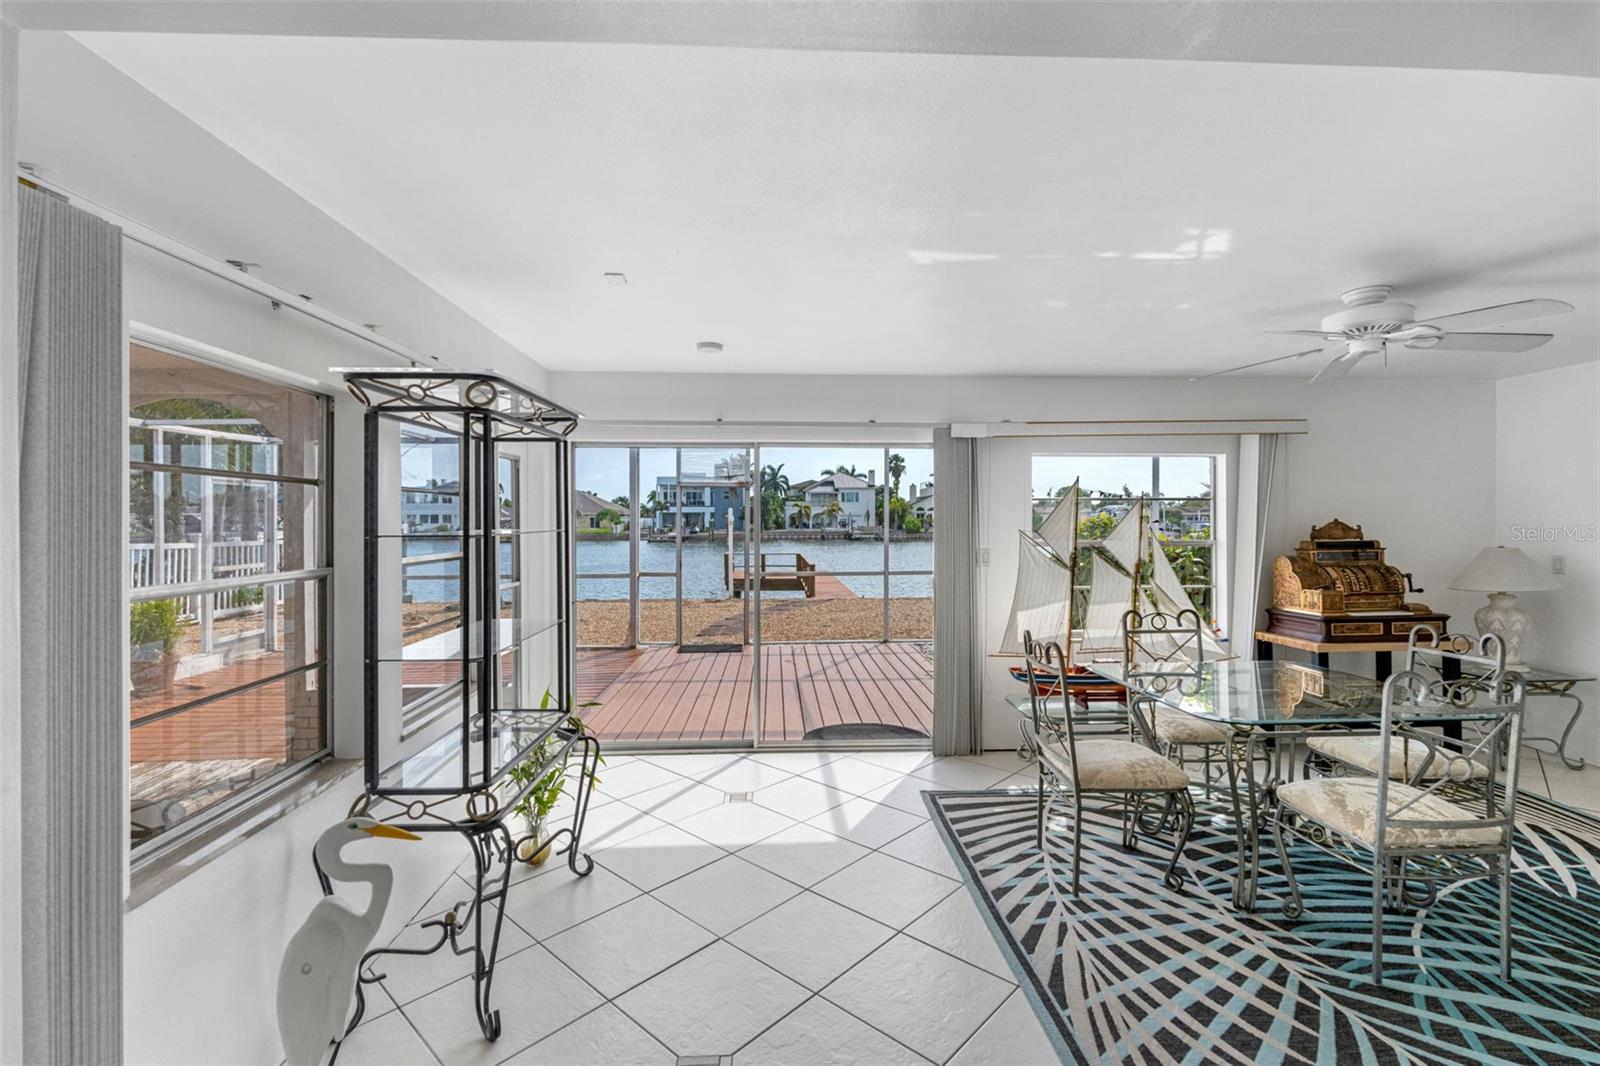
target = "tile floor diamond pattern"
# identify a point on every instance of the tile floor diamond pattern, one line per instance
(823, 922)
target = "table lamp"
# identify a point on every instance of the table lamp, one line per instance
(1502, 571)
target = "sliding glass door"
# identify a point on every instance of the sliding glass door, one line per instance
(713, 549)
(846, 594)
(734, 595)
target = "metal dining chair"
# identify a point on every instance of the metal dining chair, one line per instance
(1411, 831)
(1426, 647)
(1102, 776)
(1170, 646)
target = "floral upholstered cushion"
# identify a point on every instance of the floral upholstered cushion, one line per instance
(1116, 766)
(1405, 759)
(1349, 806)
(1176, 727)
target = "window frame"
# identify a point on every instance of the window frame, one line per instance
(142, 854)
(1215, 543)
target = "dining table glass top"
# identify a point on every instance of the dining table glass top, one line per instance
(1243, 693)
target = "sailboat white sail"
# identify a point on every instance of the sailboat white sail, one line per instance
(1041, 601)
(1110, 590)
(1060, 527)
(1170, 597)
(1039, 604)
(1134, 545)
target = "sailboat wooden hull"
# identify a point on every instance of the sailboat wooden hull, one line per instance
(1085, 686)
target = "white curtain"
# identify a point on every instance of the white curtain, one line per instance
(957, 657)
(1259, 455)
(70, 434)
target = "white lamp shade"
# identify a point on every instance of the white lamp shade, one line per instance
(1504, 570)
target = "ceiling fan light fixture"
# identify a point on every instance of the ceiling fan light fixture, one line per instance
(709, 347)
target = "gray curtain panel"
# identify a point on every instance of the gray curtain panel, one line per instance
(74, 625)
(957, 679)
(1258, 466)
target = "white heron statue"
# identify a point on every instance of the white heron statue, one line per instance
(317, 981)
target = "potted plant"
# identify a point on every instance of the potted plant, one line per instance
(153, 632)
(549, 784)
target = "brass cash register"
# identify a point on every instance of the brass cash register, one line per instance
(1337, 588)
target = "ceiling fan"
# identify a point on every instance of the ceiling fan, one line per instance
(1370, 322)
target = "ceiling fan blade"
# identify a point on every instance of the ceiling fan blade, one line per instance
(1488, 342)
(1498, 314)
(1248, 366)
(1304, 333)
(1340, 365)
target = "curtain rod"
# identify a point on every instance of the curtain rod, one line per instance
(171, 246)
(1156, 427)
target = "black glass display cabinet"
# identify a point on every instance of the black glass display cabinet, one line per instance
(469, 656)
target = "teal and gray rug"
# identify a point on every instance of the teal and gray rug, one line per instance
(1132, 972)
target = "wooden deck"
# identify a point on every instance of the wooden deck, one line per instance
(662, 694)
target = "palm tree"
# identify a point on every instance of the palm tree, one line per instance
(832, 512)
(851, 470)
(802, 514)
(773, 479)
(896, 469)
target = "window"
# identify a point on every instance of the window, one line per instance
(1182, 515)
(850, 497)
(227, 537)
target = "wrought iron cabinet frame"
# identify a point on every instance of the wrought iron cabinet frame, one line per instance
(480, 411)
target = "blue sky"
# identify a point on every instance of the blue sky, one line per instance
(1181, 475)
(604, 471)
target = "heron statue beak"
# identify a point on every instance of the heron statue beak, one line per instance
(381, 830)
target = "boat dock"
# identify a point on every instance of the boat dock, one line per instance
(799, 576)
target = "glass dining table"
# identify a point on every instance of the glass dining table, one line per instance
(1269, 707)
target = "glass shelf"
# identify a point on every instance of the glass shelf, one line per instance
(446, 647)
(437, 767)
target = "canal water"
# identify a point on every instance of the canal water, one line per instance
(702, 567)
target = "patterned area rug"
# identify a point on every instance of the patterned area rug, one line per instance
(1131, 972)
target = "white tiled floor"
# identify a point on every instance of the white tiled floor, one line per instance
(819, 920)
(807, 923)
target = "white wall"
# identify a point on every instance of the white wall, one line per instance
(201, 959)
(1410, 461)
(101, 135)
(1547, 502)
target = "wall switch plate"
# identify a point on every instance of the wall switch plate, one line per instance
(1558, 564)
(983, 556)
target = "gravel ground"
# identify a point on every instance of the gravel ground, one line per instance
(604, 623)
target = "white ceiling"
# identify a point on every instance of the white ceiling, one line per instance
(850, 212)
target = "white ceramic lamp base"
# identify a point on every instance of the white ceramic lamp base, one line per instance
(1502, 617)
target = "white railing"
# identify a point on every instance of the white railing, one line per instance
(180, 564)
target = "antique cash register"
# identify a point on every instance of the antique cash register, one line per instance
(1336, 588)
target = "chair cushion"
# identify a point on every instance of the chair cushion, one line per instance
(1116, 766)
(1175, 727)
(1349, 806)
(1405, 758)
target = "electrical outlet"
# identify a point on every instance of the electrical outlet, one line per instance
(1558, 564)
